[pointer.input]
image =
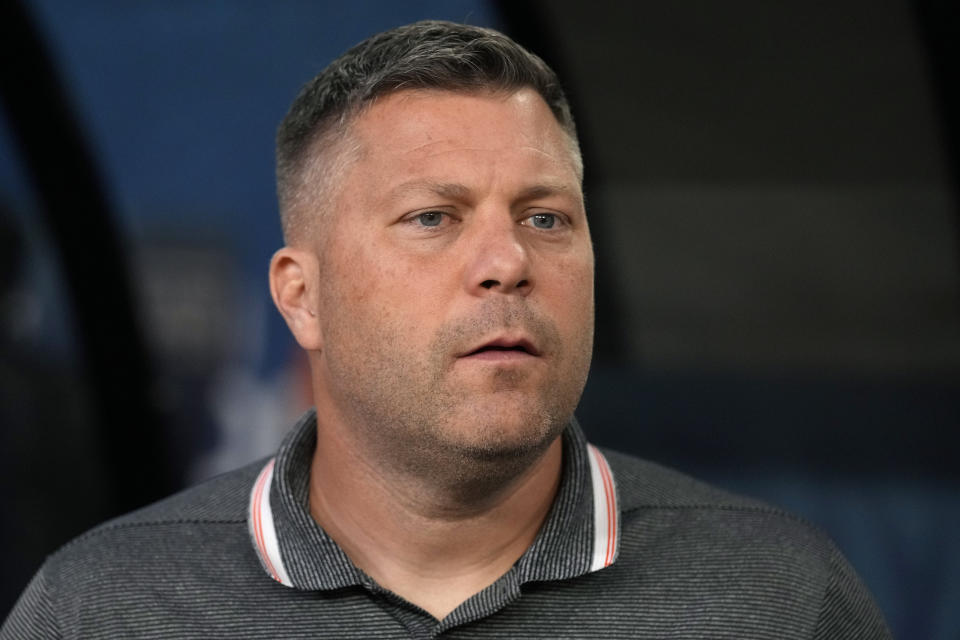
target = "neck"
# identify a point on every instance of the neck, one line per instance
(434, 546)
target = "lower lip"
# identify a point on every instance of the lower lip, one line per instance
(496, 355)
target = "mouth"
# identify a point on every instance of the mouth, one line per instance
(503, 348)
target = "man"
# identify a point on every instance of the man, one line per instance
(438, 271)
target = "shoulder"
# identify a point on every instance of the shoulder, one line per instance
(177, 547)
(147, 565)
(732, 557)
(216, 505)
(656, 498)
(645, 484)
(646, 488)
(221, 498)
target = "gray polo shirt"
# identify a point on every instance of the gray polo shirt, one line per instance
(629, 550)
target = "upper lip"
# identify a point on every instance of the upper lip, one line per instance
(505, 342)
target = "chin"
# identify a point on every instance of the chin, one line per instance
(502, 433)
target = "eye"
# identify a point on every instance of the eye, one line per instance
(429, 218)
(543, 221)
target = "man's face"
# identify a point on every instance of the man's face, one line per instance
(456, 279)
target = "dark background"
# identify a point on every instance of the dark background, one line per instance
(773, 196)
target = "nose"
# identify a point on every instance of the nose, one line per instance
(499, 261)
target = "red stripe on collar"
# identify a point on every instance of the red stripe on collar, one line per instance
(606, 513)
(262, 529)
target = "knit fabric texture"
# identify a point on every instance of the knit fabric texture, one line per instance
(692, 561)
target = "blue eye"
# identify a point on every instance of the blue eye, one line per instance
(543, 220)
(430, 218)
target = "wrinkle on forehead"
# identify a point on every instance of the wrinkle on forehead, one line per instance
(566, 156)
(572, 153)
(440, 152)
(532, 136)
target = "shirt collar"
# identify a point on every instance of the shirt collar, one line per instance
(580, 535)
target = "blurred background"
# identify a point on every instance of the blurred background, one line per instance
(773, 196)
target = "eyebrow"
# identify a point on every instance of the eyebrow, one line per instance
(457, 191)
(547, 190)
(451, 190)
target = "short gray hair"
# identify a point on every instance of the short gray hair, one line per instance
(424, 55)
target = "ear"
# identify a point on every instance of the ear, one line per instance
(294, 277)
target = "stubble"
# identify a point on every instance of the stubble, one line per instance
(419, 419)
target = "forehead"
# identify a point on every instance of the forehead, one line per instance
(423, 123)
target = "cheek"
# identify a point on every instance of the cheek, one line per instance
(573, 312)
(572, 289)
(393, 292)
(357, 272)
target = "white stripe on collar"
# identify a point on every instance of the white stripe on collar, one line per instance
(606, 518)
(262, 529)
(606, 514)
